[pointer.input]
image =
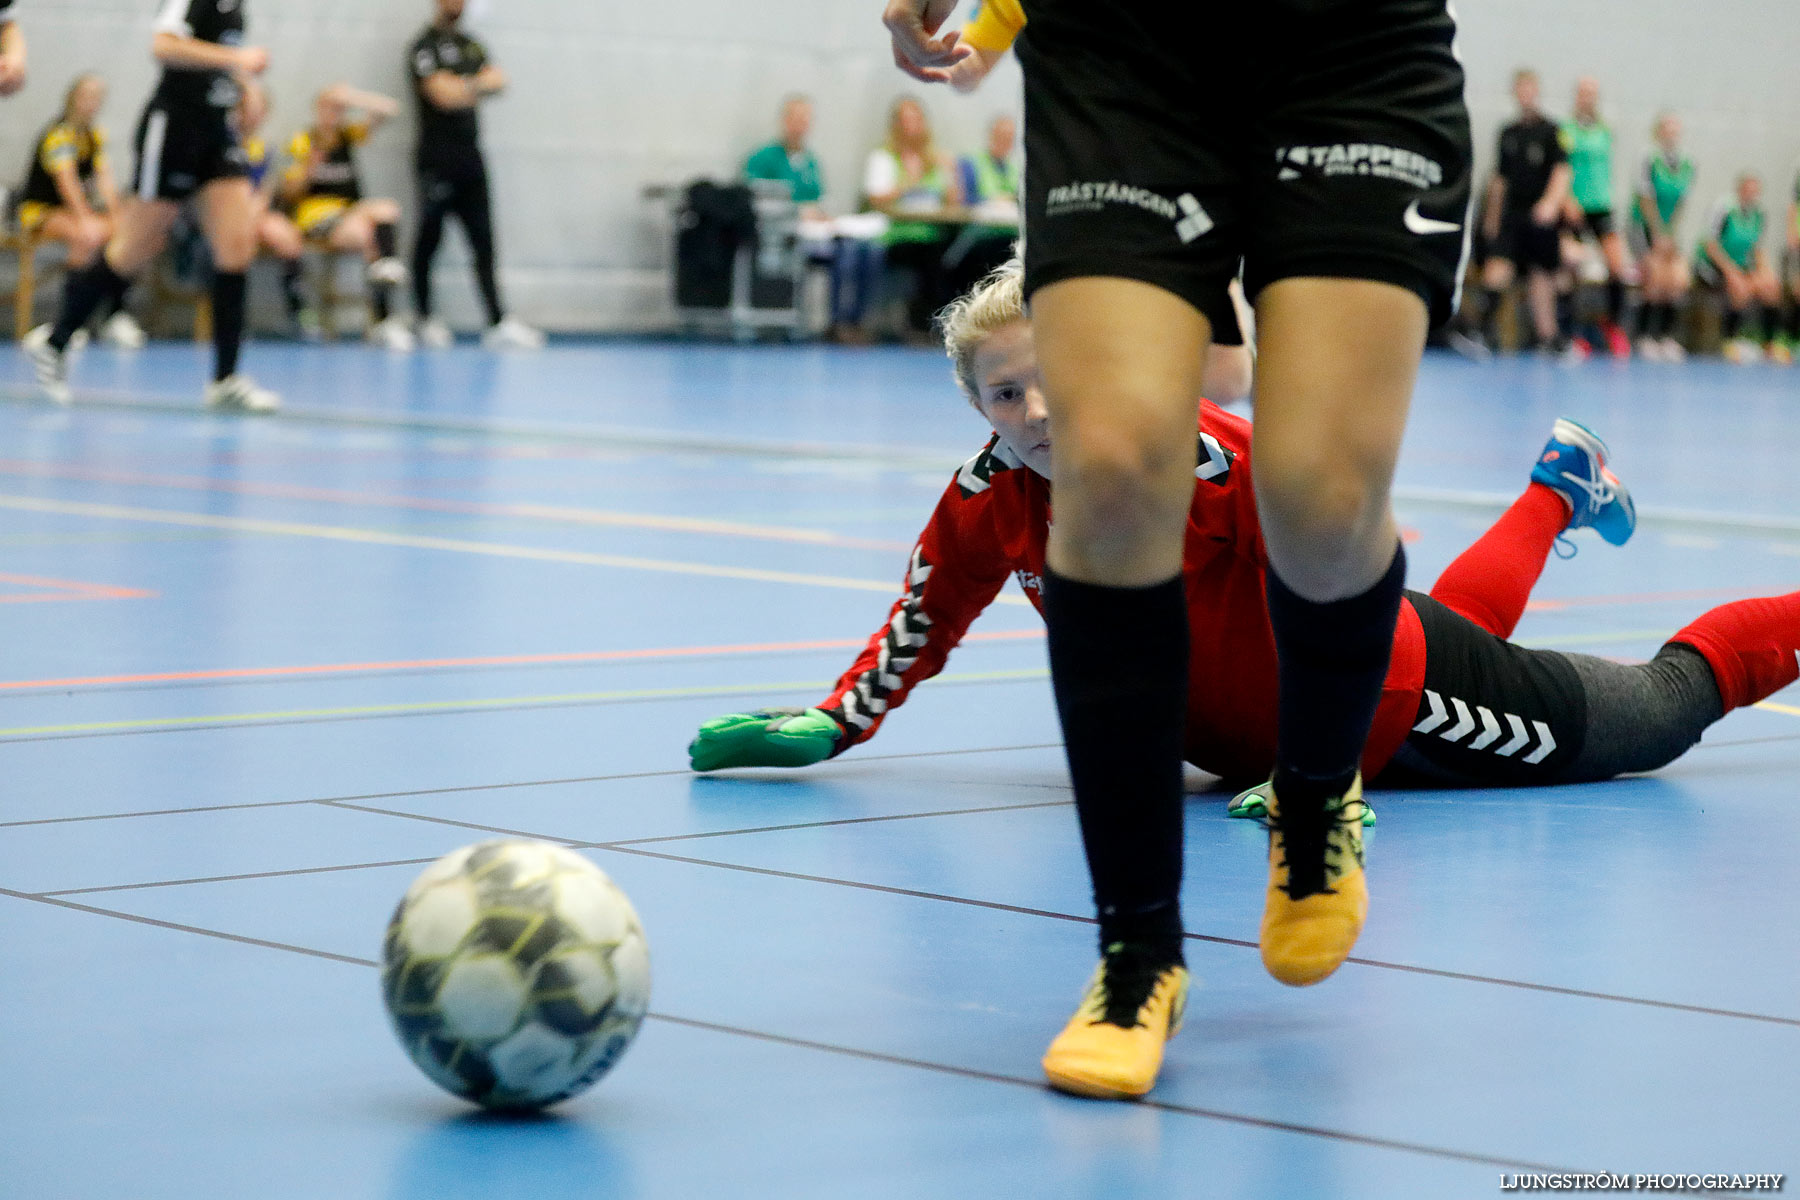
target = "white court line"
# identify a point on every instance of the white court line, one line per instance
(378, 537)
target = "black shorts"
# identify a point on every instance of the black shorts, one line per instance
(1492, 713)
(1171, 142)
(1596, 224)
(1525, 243)
(180, 151)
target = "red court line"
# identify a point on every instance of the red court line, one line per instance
(540, 512)
(1736, 593)
(488, 660)
(65, 589)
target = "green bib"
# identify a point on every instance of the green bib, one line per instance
(1668, 184)
(1589, 148)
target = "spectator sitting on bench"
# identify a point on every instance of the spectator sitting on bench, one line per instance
(990, 185)
(323, 190)
(1731, 259)
(69, 195)
(907, 179)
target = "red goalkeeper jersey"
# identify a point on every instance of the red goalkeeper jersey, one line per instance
(993, 522)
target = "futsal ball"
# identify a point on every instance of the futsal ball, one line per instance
(515, 973)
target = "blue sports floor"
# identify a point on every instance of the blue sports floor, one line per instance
(255, 672)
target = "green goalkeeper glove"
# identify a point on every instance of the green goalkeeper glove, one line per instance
(1254, 803)
(768, 737)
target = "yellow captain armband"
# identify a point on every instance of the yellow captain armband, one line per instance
(993, 25)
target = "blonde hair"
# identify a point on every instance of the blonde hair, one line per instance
(977, 315)
(892, 144)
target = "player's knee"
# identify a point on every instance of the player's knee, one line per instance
(1320, 496)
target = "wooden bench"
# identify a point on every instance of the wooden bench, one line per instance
(330, 298)
(24, 291)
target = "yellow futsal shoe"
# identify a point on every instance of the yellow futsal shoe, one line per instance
(1317, 897)
(1112, 1047)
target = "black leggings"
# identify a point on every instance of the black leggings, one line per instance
(460, 189)
(1494, 714)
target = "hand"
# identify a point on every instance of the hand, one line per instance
(967, 75)
(913, 26)
(768, 737)
(1545, 212)
(91, 229)
(12, 73)
(253, 60)
(1254, 803)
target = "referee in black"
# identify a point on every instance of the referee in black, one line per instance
(452, 76)
(188, 149)
(1326, 153)
(1523, 218)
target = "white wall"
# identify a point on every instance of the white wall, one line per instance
(608, 96)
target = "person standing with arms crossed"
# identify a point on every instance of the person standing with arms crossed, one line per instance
(1330, 160)
(452, 76)
(187, 146)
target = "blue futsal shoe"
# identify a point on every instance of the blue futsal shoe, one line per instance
(1574, 463)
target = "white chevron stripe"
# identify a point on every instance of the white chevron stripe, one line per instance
(1438, 715)
(1543, 751)
(1519, 738)
(1465, 722)
(1490, 730)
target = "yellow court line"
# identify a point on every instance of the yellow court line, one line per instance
(428, 706)
(377, 537)
(1789, 709)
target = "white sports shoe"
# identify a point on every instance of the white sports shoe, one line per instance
(434, 334)
(50, 364)
(512, 334)
(1650, 349)
(122, 330)
(1672, 351)
(1743, 352)
(387, 270)
(239, 393)
(392, 334)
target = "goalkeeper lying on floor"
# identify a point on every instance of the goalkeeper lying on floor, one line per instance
(1462, 706)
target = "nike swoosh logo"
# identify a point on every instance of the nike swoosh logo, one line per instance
(1422, 225)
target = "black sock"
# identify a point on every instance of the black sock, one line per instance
(1490, 314)
(1118, 662)
(381, 299)
(1334, 657)
(83, 294)
(386, 240)
(1734, 321)
(1615, 300)
(113, 301)
(1793, 319)
(1565, 317)
(290, 289)
(1665, 319)
(228, 321)
(1765, 321)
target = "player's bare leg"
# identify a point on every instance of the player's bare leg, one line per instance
(1121, 363)
(1336, 365)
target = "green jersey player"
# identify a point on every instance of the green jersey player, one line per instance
(1662, 187)
(1731, 258)
(1588, 141)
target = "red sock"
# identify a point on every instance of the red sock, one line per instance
(1751, 646)
(1490, 582)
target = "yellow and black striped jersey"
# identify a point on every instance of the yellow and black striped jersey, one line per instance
(62, 145)
(335, 173)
